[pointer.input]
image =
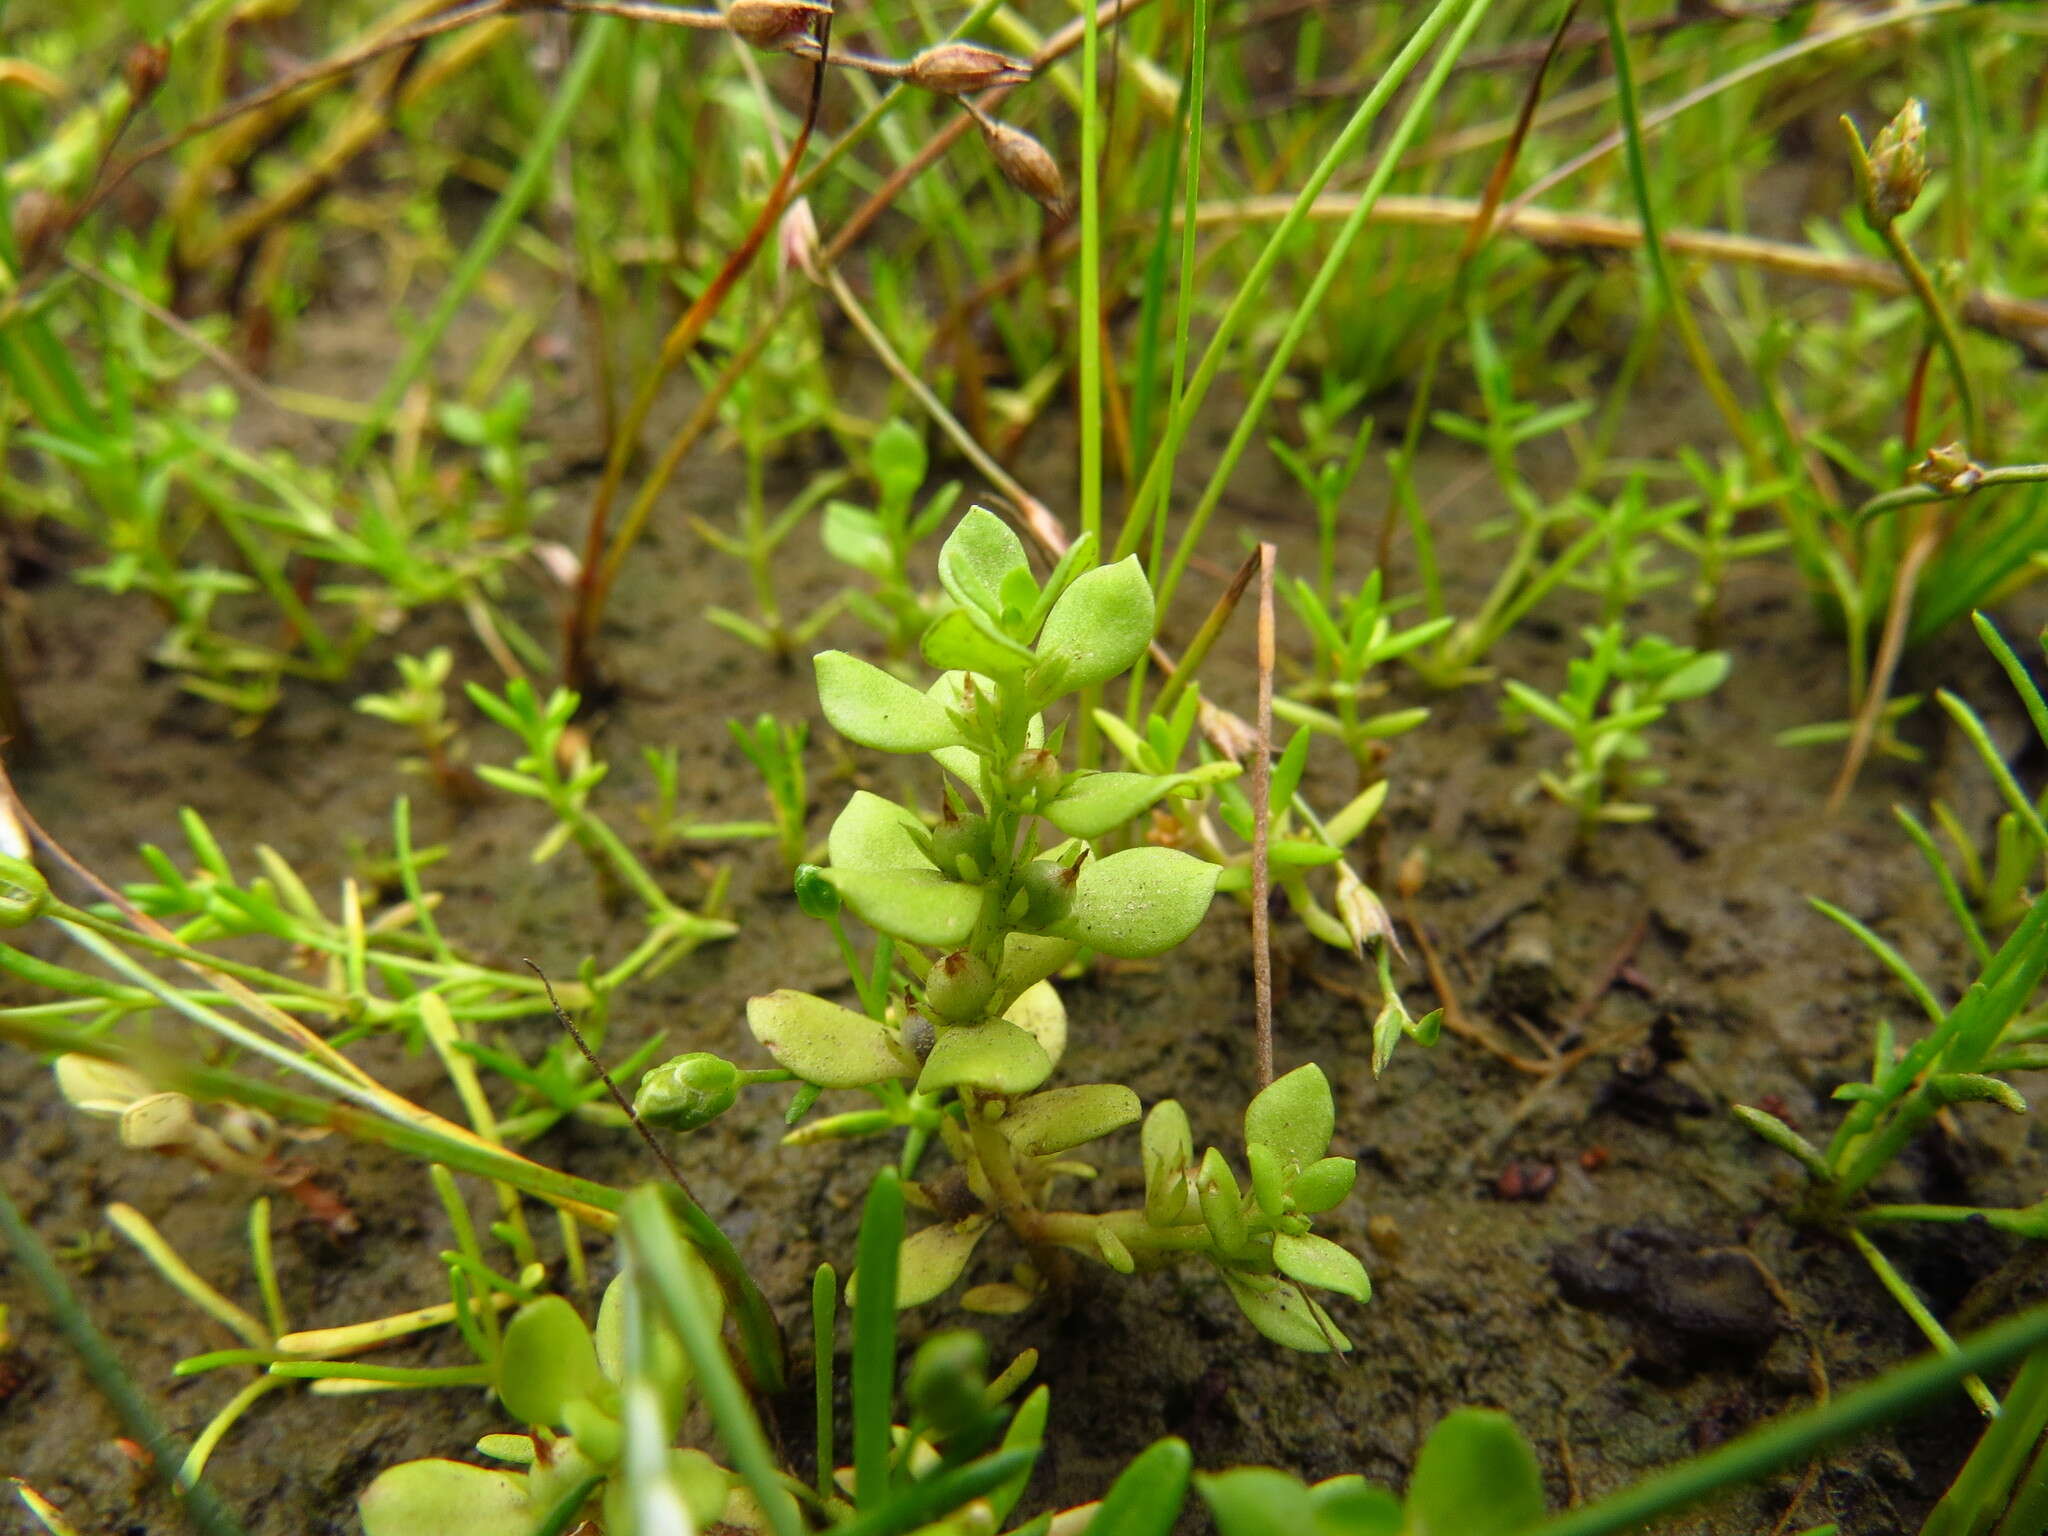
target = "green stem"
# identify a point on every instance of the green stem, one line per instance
(1945, 334)
(1902, 1292)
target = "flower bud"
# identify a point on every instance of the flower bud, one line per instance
(960, 846)
(1362, 912)
(1898, 163)
(918, 1034)
(797, 238)
(953, 69)
(1034, 777)
(688, 1092)
(958, 987)
(1949, 469)
(24, 893)
(1026, 165)
(816, 895)
(773, 26)
(1048, 890)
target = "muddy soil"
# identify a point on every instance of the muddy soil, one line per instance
(1602, 1253)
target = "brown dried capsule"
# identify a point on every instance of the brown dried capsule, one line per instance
(1026, 165)
(144, 70)
(953, 69)
(773, 26)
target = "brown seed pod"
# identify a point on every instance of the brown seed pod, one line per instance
(773, 26)
(144, 70)
(953, 69)
(1026, 165)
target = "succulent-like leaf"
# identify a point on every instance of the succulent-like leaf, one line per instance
(977, 557)
(932, 1259)
(548, 1361)
(867, 705)
(1095, 803)
(1258, 1501)
(1061, 1118)
(1168, 1144)
(919, 906)
(1100, 625)
(1317, 1261)
(450, 1498)
(997, 1056)
(1295, 1115)
(1039, 1012)
(1222, 1203)
(1323, 1184)
(1140, 902)
(956, 642)
(823, 1043)
(1280, 1311)
(874, 833)
(1350, 1506)
(1476, 1477)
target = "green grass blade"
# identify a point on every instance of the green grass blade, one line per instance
(874, 1338)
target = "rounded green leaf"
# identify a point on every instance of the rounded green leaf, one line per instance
(874, 833)
(919, 906)
(932, 1259)
(1476, 1477)
(1145, 1499)
(1257, 1501)
(977, 558)
(1140, 902)
(1095, 803)
(1350, 1506)
(1280, 1310)
(1222, 1203)
(1039, 1012)
(956, 642)
(1168, 1144)
(1062, 1118)
(450, 1498)
(548, 1361)
(997, 1056)
(867, 705)
(1323, 1184)
(1295, 1116)
(1100, 625)
(1317, 1261)
(824, 1043)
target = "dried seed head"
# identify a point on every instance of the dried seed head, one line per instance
(1227, 733)
(1898, 163)
(1361, 911)
(144, 70)
(1026, 165)
(797, 237)
(773, 26)
(953, 69)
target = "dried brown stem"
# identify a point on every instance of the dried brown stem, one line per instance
(1262, 823)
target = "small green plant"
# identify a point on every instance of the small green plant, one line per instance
(977, 912)
(1352, 640)
(420, 704)
(776, 750)
(1611, 697)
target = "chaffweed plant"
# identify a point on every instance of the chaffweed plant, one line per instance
(960, 1029)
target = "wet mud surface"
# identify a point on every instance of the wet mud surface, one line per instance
(1603, 1252)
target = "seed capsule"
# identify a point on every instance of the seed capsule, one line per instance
(959, 986)
(773, 26)
(1048, 891)
(953, 69)
(1898, 163)
(1026, 165)
(960, 846)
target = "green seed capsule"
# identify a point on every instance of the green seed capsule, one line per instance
(688, 1092)
(959, 986)
(1048, 889)
(816, 895)
(1034, 777)
(960, 847)
(24, 893)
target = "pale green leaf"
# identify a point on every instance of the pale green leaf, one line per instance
(1100, 625)
(874, 833)
(824, 1043)
(1317, 1261)
(868, 706)
(956, 642)
(1095, 803)
(977, 557)
(932, 1259)
(1140, 902)
(449, 1498)
(1039, 1012)
(997, 1057)
(1028, 959)
(547, 1362)
(919, 906)
(1061, 1118)
(1295, 1116)
(1476, 1477)
(1279, 1310)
